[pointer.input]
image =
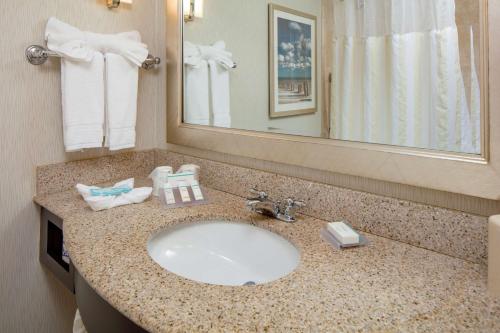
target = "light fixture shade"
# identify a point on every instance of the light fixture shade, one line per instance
(187, 9)
(198, 8)
(116, 3)
(192, 9)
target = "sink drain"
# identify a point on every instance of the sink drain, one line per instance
(249, 283)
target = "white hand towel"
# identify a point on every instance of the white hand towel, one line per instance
(98, 203)
(82, 86)
(196, 103)
(122, 78)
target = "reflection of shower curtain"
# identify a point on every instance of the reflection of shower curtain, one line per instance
(397, 75)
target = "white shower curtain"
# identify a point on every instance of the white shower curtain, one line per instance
(397, 77)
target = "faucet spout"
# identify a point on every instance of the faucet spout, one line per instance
(283, 211)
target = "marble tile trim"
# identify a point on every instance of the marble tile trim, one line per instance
(442, 230)
(60, 177)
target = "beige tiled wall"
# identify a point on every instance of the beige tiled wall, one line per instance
(31, 300)
(63, 176)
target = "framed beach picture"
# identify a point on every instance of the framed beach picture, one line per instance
(292, 62)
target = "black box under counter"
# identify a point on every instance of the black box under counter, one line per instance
(51, 249)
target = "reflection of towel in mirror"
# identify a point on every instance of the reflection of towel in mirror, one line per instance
(196, 100)
(219, 83)
(201, 63)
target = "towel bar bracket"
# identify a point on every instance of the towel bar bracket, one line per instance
(151, 62)
(38, 55)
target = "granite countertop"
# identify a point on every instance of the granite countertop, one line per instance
(387, 286)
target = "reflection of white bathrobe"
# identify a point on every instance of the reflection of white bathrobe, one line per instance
(207, 70)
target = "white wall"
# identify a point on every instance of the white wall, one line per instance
(31, 300)
(243, 25)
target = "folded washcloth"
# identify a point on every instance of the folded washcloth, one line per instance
(106, 201)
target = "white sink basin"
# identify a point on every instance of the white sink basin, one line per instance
(223, 253)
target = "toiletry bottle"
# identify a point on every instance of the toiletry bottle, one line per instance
(160, 178)
(195, 187)
(193, 168)
(169, 194)
(183, 190)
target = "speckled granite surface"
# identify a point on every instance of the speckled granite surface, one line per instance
(442, 230)
(59, 177)
(385, 287)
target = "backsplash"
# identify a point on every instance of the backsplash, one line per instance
(438, 229)
(63, 176)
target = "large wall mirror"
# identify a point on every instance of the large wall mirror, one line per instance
(389, 72)
(399, 91)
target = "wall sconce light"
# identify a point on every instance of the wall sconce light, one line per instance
(116, 3)
(192, 9)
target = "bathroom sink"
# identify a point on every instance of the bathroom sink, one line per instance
(223, 253)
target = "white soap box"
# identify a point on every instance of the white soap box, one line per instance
(336, 243)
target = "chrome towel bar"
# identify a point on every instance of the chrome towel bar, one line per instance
(38, 55)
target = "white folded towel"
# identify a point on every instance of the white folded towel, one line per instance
(122, 79)
(72, 43)
(98, 203)
(82, 86)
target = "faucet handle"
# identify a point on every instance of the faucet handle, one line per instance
(291, 203)
(289, 209)
(260, 194)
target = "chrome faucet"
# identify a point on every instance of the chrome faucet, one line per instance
(282, 210)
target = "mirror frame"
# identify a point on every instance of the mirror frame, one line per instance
(474, 175)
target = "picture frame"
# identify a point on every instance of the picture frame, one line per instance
(292, 62)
